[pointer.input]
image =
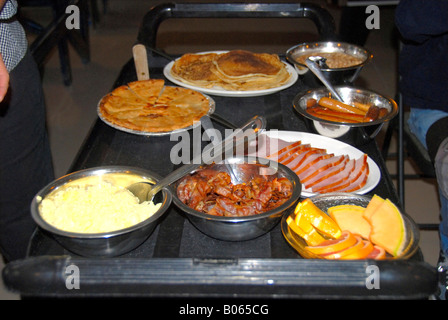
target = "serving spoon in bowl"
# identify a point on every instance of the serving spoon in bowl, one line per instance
(145, 191)
(314, 64)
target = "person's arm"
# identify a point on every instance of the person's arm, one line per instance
(4, 75)
(4, 79)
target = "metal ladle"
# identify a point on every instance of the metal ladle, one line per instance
(145, 191)
(314, 63)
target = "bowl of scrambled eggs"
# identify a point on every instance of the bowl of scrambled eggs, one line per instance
(91, 213)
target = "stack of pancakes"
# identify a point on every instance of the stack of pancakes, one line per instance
(237, 70)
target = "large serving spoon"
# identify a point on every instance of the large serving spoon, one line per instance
(145, 191)
(313, 63)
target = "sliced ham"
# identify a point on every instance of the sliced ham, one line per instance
(339, 179)
(298, 158)
(283, 149)
(318, 170)
(286, 155)
(359, 182)
(290, 158)
(355, 181)
(325, 175)
(319, 167)
(309, 160)
(267, 147)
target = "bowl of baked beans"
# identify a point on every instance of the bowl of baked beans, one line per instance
(343, 61)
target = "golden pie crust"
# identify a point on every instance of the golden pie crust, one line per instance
(150, 106)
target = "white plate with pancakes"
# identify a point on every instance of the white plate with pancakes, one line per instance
(220, 91)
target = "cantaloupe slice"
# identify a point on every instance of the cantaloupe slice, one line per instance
(374, 203)
(388, 228)
(351, 217)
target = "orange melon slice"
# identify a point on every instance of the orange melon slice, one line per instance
(351, 217)
(388, 228)
(374, 203)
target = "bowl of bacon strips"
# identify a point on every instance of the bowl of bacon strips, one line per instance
(238, 199)
(356, 119)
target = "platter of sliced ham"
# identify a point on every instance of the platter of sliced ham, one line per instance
(323, 164)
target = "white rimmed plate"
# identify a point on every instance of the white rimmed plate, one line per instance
(232, 93)
(332, 146)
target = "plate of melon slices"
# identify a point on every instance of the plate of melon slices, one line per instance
(341, 226)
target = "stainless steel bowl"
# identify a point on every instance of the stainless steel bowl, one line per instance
(337, 76)
(248, 227)
(106, 244)
(356, 133)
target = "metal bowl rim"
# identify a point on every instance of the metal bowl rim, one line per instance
(291, 59)
(167, 199)
(297, 189)
(388, 117)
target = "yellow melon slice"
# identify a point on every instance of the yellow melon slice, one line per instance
(388, 228)
(374, 203)
(350, 217)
